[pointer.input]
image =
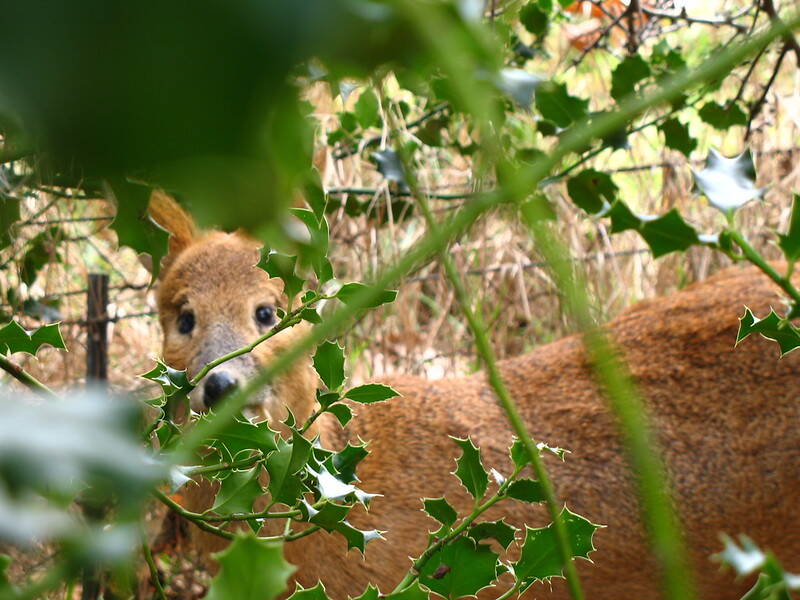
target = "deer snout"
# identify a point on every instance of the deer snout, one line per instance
(217, 385)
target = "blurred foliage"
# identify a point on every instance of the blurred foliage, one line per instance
(206, 101)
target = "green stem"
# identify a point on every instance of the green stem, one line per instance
(759, 261)
(288, 321)
(413, 573)
(26, 378)
(191, 516)
(641, 445)
(226, 466)
(508, 405)
(151, 565)
(511, 591)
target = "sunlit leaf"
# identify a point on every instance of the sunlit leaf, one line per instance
(728, 183)
(367, 109)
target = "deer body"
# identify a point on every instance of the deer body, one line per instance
(727, 420)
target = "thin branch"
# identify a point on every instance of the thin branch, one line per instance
(26, 378)
(155, 577)
(791, 41)
(756, 107)
(682, 15)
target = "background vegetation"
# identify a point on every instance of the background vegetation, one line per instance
(495, 109)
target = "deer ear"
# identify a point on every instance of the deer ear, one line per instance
(168, 215)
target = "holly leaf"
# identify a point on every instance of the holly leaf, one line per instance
(526, 490)
(370, 393)
(534, 19)
(722, 117)
(172, 381)
(497, 530)
(132, 222)
(469, 468)
(315, 593)
(519, 455)
(349, 291)
(540, 558)
(346, 460)
(241, 435)
(728, 183)
(283, 464)
(412, 592)
(329, 515)
(342, 412)
(237, 492)
(771, 327)
(441, 510)
(628, 73)
(282, 266)
(556, 105)
(40, 252)
(329, 364)
(790, 241)
(357, 538)
(622, 218)
(367, 109)
(461, 568)
(370, 593)
(676, 136)
(330, 486)
(667, 233)
(744, 559)
(15, 338)
(592, 190)
(250, 569)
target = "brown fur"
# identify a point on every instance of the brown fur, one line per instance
(727, 420)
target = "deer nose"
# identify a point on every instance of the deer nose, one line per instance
(217, 385)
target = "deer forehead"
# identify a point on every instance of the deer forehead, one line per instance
(216, 274)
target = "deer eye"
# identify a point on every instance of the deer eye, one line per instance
(186, 322)
(265, 315)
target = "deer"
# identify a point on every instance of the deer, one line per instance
(726, 419)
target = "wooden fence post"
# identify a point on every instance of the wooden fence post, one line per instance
(97, 329)
(96, 377)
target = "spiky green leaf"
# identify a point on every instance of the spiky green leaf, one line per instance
(250, 569)
(329, 364)
(441, 510)
(461, 568)
(469, 468)
(370, 392)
